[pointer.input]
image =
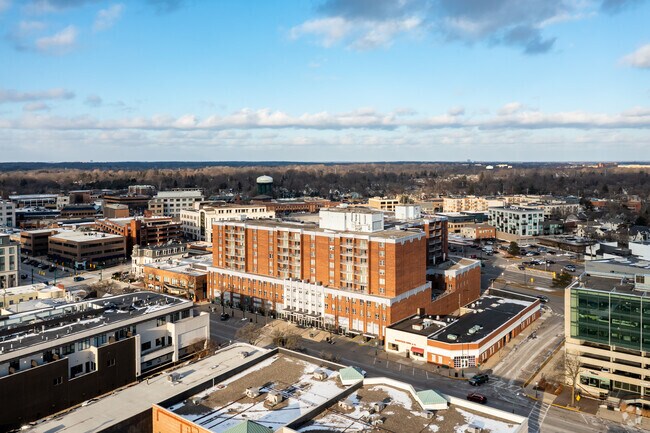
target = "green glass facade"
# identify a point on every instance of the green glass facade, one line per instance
(614, 319)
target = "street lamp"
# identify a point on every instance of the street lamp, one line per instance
(536, 388)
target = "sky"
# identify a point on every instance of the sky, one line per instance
(326, 80)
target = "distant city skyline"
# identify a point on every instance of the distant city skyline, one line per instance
(329, 80)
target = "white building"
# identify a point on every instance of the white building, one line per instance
(408, 212)
(7, 213)
(9, 262)
(171, 203)
(33, 200)
(155, 254)
(521, 221)
(197, 222)
(351, 219)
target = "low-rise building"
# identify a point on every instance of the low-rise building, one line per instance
(467, 340)
(15, 295)
(186, 277)
(137, 204)
(9, 262)
(34, 243)
(80, 249)
(79, 211)
(148, 190)
(115, 211)
(514, 220)
(171, 203)
(478, 231)
(457, 220)
(155, 254)
(383, 203)
(34, 200)
(59, 356)
(142, 231)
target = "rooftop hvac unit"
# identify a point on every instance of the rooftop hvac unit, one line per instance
(274, 397)
(252, 392)
(375, 419)
(378, 407)
(320, 374)
(428, 414)
(173, 377)
(243, 355)
(473, 428)
(196, 401)
(346, 404)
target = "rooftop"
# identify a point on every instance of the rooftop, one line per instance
(192, 266)
(75, 236)
(386, 234)
(179, 194)
(22, 330)
(619, 285)
(479, 319)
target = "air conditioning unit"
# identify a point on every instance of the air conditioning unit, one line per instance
(252, 392)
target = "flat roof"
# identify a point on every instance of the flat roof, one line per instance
(32, 196)
(485, 316)
(180, 194)
(479, 320)
(226, 405)
(121, 405)
(616, 284)
(22, 330)
(192, 266)
(29, 288)
(346, 209)
(387, 234)
(76, 236)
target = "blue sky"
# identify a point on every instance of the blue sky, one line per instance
(327, 80)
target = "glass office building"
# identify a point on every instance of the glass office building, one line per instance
(609, 330)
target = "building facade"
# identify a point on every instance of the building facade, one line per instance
(608, 332)
(478, 231)
(171, 203)
(81, 249)
(383, 203)
(196, 223)
(34, 243)
(7, 213)
(470, 203)
(514, 220)
(186, 277)
(77, 351)
(9, 262)
(155, 254)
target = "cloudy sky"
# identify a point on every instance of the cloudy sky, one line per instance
(326, 80)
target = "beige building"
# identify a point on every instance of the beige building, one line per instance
(470, 203)
(383, 203)
(171, 203)
(16, 295)
(9, 262)
(197, 222)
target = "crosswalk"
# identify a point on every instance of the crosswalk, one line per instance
(536, 416)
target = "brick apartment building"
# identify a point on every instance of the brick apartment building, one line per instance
(348, 273)
(290, 206)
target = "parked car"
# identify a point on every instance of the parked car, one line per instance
(521, 267)
(224, 316)
(542, 298)
(479, 379)
(78, 278)
(550, 262)
(570, 268)
(477, 398)
(23, 276)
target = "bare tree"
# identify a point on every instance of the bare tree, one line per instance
(572, 372)
(249, 333)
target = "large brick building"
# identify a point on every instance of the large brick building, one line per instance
(348, 273)
(142, 231)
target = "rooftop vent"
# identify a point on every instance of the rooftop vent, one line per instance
(452, 337)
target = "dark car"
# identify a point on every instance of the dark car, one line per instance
(542, 298)
(479, 379)
(78, 278)
(23, 276)
(477, 398)
(521, 267)
(225, 316)
(550, 262)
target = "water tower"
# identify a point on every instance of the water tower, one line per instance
(265, 185)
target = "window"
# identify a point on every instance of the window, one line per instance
(57, 381)
(145, 346)
(110, 362)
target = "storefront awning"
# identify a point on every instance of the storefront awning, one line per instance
(417, 350)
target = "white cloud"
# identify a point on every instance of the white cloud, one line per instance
(36, 106)
(59, 42)
(515, 117)
(639, 59)
(106, 18)
(93, 101)
(331, 30)
(10, 95)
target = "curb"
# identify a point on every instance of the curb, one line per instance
(572, 409)
(543, 364)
